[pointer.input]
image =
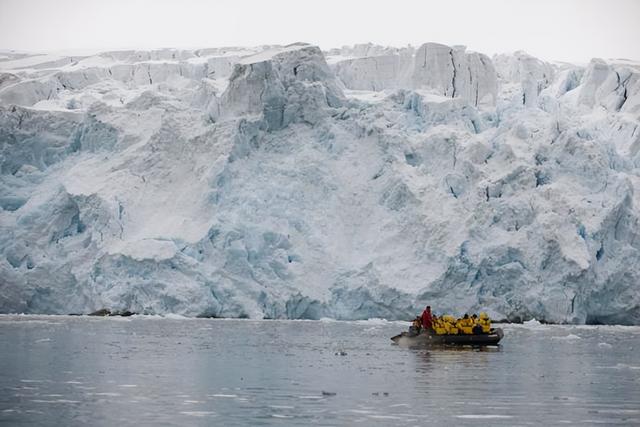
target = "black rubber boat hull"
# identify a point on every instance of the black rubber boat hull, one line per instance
(426, 339)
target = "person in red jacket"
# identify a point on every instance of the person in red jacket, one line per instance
(427, 320)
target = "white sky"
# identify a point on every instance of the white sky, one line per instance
(568, 30)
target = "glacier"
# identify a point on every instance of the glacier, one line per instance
(290, 182)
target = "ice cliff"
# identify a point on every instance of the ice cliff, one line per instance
(287, 182)
(447, 71)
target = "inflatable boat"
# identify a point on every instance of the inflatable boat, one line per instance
(430, 339)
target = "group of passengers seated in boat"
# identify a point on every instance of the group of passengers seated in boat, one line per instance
(449, 325)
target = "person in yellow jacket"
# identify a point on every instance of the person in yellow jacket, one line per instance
(450, 324)
(416, 326)
(439, 325)
(485, 323)
(475, 325)
(465, 325)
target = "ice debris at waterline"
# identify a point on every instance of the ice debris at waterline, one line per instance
(287, 182)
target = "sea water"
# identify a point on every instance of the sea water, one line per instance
(141, 370)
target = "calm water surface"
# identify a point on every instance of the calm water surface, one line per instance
(57, 370)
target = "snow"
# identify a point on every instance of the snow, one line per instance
(273, 182)
(140, 250)
(269, 54)
(368, 96)
(30, 61)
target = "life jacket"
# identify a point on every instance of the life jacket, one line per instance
(485, 322)
(465, 326)
(439, 327)
(475, 325)
(450, 324)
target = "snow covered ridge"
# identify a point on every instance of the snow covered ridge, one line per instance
(284, 182)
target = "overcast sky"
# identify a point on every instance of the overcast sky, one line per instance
(568, 30)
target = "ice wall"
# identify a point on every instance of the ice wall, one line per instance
(272, 182)
(442, 70)
(283, 85)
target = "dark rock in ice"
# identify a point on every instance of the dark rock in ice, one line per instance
(101, 312)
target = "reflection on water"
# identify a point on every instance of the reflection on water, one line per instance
(75, 371)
